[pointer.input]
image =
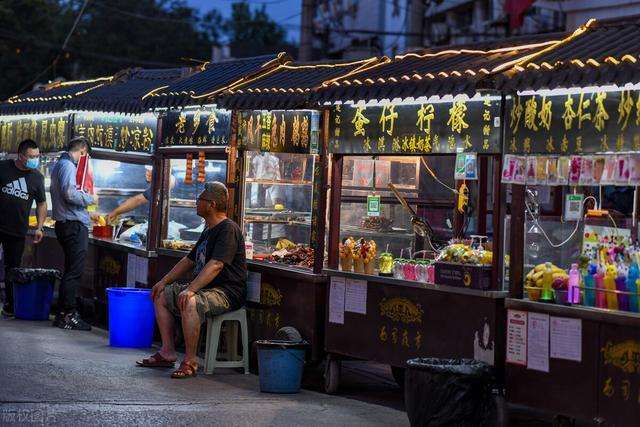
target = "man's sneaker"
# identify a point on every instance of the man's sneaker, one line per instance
(72, 320)
(7, 311)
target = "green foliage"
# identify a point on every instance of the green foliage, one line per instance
(116, 34)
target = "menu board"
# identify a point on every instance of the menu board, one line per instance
(205, 126)
(459, 125)
(120, 132)
(574, 122)
(48, 130)
(281, 131)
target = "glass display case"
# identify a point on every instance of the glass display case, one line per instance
(182, 226)
(277, 205)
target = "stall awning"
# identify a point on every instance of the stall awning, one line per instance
(434, 72)
(291, 84)
(208, 80)
(598, 53)
(124, 92)
(49, 98)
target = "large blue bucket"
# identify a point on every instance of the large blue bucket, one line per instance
(32, 300)
(280, 364)
(131, 317)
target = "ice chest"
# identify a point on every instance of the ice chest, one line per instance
(463, 275)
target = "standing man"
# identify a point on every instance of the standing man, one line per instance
(72, 231)
(21, 184)
(218, 282)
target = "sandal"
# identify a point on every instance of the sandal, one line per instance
(155, 361)
(186, 370)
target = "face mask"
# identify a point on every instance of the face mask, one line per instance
(32, 163)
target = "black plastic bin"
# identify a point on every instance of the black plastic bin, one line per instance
(449, 392)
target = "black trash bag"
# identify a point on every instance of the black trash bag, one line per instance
(28, 275)
(449, 392)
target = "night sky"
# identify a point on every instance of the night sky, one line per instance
(285, 12)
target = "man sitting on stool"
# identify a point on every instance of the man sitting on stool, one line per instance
(218, 285)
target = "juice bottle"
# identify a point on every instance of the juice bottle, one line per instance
(601, 301)
(589, 286)
(610, 287)
(632, 286)
(574, 285)
(547, 280)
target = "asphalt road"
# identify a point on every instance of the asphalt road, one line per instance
(56, 377)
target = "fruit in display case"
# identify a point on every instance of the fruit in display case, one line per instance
(346, 254)
(535, 279)
(364, 254)
(463, 253)
(285, 244)
(385, 264)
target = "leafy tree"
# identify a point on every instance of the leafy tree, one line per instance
(253, 32)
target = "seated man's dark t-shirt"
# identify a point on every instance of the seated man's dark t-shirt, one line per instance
(225, 243)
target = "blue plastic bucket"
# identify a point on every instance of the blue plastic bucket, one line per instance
(32, 300)
(131, 317)
(280, 365)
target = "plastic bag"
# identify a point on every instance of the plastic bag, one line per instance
(449, 392)
(28, 275)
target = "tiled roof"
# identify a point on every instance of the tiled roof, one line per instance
(598, 53)
(290, 84)
(50, 98)
(211, 78)
(443, 71)
(123, 94)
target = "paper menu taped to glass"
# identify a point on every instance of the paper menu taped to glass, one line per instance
(538, 342)
(253, 286)
(336, 300)
(517, 337)
(355, 296)
(566, 338)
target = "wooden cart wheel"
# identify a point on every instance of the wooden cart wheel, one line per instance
(398, 375)
(332, 375)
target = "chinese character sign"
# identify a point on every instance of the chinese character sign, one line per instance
(422, 128)
(282, 131)
(120, 132)
(206, 126)
(48, 130)
(585, 122)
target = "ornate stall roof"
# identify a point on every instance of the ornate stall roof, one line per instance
(442, 71)
(49, 98)
(124, 92)
(598, 53)
(290, 85)
(210, 79)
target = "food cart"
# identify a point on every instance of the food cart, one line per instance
(282, 196)
(416, 157)
(572, 161)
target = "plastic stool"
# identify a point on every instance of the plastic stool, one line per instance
(214, 325)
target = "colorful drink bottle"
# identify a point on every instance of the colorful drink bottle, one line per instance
(610, 287)
(574, 285)
(589, 286)
(623, 298)
(601, 301)
(632, 287)
(547, 280)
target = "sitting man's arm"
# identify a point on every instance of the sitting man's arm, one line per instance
(179, 270)
(208, 273)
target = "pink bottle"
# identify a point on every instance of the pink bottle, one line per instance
(574, 285)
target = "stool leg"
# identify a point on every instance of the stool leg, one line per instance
(245, 344)
(232, 340)
(213, 346)
(207, 350)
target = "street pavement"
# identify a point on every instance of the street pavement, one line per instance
(49, 376)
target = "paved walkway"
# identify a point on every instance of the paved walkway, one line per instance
(55, 377)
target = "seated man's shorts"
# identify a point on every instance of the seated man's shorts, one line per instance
(209, 302)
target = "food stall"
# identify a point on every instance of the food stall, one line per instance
(282, 198)
(572, 162)
(415, 245)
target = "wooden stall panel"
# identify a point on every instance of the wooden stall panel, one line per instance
(569, 388)
(403, 322)
(619, 375)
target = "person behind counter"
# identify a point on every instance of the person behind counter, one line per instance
(21, 184)
(219, 282)
(72, 231)
(138, 200)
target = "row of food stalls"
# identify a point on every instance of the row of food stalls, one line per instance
(427, 205)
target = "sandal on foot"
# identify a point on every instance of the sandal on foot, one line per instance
(186, 370)
(155, 361)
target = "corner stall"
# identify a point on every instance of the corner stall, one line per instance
(415, 244)
(195, 148)
(121, 166)
(282, 142)
(573, 165)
